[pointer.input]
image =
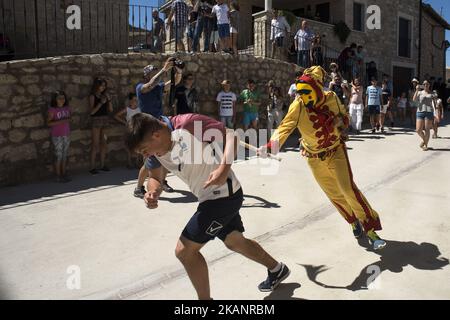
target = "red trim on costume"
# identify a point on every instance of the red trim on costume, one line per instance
(350, 218)
(371, 223)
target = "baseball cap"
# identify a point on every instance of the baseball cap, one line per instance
(149, 69)
(225, 82)
(415, 80)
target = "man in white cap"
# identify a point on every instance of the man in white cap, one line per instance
(150, 93)
(412, 104)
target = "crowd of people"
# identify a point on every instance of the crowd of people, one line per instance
(218, 21)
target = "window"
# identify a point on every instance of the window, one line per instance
(404, 37)
(358, 16)
(323, 12)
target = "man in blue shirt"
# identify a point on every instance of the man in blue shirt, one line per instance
(373, 103)
(150, 94)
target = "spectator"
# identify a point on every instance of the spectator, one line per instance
(340, 88)
(278, 31)
(203, 25)
(302, 42)
(389, 84)
(316, 51)
(192, 21)
(356, 108)
(180, 12)
(344, 56)
(158, 31)
(58, 120)
(221, 11)
(373, 103)
(359, 57)
(402, 103)
(150, 96)
(413, 104)
(386, 105)
(101, 106)
(252, 100)
(186, 96)
(215, 40)
(372, 71)
(293, 88)
(234, 25)
(227, 105)
(334, 68)
(438, 113)
(124, 116)
(425, 112)
(274, 108)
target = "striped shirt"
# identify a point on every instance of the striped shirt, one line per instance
(226, 100)
(181, 13)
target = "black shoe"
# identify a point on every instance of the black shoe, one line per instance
(373, 130)
(392, 124)
(105, 168)
(93, 171)
(139, 192)
(378, 127)
(166, 187)
(382, 129)
(274, 279)
(357, 229)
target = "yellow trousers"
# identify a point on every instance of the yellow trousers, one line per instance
(335, 177)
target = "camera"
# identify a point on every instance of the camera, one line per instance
(178, 63)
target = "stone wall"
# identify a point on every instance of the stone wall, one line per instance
(25, 88)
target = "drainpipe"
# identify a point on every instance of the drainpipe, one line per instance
(268, 5)
(419, 67)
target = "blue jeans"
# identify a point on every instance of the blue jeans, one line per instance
(203, 25)
(303, 58)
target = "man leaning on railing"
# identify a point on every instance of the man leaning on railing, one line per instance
(302, 41)
(278, 30)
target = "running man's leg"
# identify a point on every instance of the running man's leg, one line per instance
(188, 252)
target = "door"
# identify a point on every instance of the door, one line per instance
(402, 79)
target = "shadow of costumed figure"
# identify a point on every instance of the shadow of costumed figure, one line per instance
(397, 256)
(321, 118)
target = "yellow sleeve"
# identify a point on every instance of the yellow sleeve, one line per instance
(289, 123)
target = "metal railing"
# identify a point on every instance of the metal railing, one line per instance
(38, 28)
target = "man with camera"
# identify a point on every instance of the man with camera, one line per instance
(150, 93)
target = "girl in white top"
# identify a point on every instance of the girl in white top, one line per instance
(356, 107)
(125, 115)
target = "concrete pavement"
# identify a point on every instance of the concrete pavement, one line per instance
(123, 250)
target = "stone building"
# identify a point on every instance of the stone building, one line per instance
(396, 47)
(37, 28)
(433, 44)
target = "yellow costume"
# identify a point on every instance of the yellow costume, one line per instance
(320, 117)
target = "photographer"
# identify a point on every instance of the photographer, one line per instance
(150, 93)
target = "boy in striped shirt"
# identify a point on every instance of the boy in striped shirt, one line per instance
(227, 105)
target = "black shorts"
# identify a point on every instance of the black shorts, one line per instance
(215, 218)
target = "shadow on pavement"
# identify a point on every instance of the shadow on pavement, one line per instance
(187, 197)
(437, 149)
(285, 291)
(48, 190)
(394, 258)
(263, 203)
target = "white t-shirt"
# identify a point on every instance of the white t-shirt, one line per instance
(292, 90)
(226, 100)
(222, 13)
(132, 112)
(192, 158)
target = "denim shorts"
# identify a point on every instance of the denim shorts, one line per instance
(152, 163)
(224, 30)
(424, 115)
(373, 109)
(249, 117)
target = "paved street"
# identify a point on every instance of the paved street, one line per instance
(125, 251)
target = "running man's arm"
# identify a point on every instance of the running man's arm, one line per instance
(154, 187)
(220, 175)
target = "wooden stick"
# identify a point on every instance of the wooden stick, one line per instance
(253, 148)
